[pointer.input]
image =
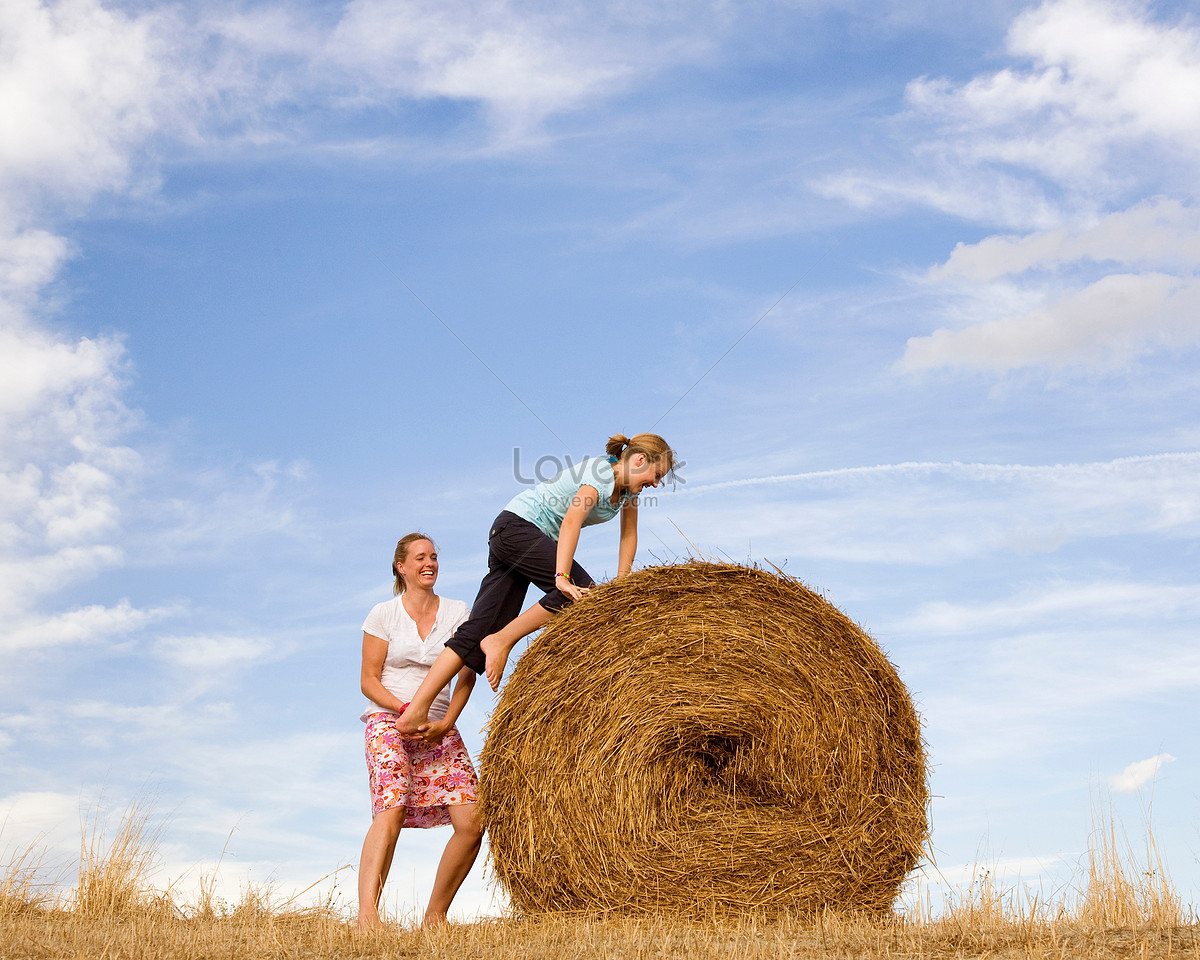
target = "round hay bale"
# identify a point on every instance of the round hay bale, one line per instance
(703, 738)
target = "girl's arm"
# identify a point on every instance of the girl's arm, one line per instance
(463, 685)
(585, 498)
(628, 549)
(374, 654)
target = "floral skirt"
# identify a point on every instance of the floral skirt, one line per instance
(424, 778)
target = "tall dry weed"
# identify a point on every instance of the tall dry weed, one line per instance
(1121, 890)
(22, 883)
(114, 875)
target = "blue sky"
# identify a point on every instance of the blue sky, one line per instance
(971, 421)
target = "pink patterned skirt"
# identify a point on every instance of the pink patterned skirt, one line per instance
(426, 779)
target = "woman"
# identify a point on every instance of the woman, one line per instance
(416, 781)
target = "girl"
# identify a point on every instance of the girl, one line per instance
(533, 540)
(426, 780)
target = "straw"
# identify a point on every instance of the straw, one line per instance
(703, 738)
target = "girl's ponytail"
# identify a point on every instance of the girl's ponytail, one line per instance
(652, 445)
(616, 444)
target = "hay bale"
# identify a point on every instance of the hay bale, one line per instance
(703, 738)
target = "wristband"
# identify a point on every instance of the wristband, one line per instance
(563, 575)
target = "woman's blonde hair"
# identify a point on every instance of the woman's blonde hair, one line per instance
(402, 554)
(651, 444)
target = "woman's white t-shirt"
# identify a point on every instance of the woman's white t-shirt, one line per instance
(409, 657)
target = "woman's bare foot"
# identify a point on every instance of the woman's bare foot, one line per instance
(369, 923)
(495, 655)
(434, 921)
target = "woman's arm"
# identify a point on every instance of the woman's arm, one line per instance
(374, 654)
(628, 548)
(585, 498)
(463, 685)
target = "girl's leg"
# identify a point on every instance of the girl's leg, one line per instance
(497, 646)
(499, 600)
(539, 567)
(441, 673)
(375, 862)
(456, 861)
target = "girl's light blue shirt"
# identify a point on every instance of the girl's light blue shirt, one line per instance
(546, 504)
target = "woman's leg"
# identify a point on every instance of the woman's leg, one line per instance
(375, 862)
(456, 861)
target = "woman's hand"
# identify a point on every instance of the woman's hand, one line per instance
(433, 731)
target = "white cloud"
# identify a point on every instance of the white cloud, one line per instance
(87, 89)
(71, 381)
(522, 64)
(1022, 676)
(941, 512)
(139, 720)
(506, 66)
(1100, 101)
(1104, 325)
(1158, 232)
(1097, 324)
(78, 84)
(1008, 200)
(84, 91)
(206, 654)
(28, 261)
(1027, 869)
(40, 818)
(1029, 693)
(1098, 78)
(1136, 774)
(63, 476)
(1104, 600)
(84, 625)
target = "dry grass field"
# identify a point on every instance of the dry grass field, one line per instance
(1119, 911)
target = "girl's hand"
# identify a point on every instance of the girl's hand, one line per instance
(572, 591)
(568, 589)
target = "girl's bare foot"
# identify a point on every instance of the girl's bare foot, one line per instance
(434, 921)
(412, 720)
(495, 659)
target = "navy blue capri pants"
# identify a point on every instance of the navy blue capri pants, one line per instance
(518, 554)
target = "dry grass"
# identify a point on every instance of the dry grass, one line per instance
(1123, 909)
(703, 738)
(253, 930)
(22, 888)
(1117, 895)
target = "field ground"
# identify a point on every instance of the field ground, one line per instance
(254, 934)
(1122, 909)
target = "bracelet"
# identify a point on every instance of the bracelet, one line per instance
(563, 575)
